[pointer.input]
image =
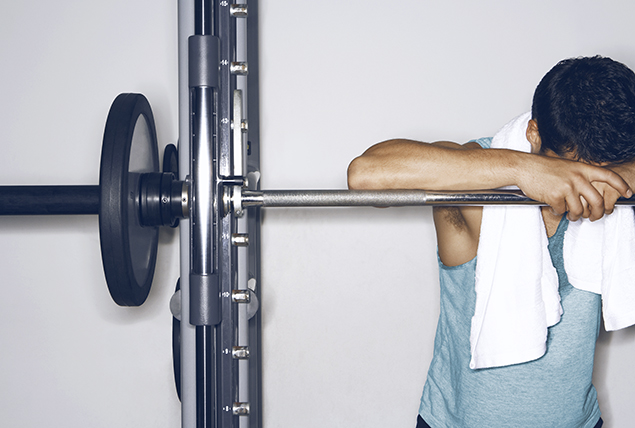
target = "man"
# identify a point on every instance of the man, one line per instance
(582, 140)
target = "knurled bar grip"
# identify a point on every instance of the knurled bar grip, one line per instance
(49, 200)
(386, 198)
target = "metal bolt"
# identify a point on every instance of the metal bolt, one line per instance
(240, 239)
(238, 10)
(240, 352)
(241, 296)
(241, 409)
(239, 68)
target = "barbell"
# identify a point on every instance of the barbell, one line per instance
(134, 198)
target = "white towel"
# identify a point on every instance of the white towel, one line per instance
(517, 286)
(600, 257)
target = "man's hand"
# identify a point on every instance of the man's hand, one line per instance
(609, 194)
(581, 189)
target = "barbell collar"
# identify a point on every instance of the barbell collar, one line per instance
(162, 199)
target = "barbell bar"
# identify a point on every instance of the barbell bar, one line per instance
(70, 200)
(235, 198)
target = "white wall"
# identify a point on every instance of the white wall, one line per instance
(68, 355)
(349, 295)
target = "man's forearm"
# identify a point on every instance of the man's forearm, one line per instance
(406, 164)
(565, 185)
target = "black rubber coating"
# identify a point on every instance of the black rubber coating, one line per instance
(129, 250)
(171, 164)
(176, 348)
(160, 201)
(171, 160)
(49, 200)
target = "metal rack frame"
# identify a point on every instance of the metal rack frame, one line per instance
(220, 323)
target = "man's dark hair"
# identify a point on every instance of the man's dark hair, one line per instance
(586, 106)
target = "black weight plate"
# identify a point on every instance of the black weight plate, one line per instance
(171, 160)
(128, 250)
(176, 348)
(171, 164)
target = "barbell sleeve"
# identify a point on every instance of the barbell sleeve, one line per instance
(49, 200)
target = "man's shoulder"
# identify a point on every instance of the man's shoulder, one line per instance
(484, 142)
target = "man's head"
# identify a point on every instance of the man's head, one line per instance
(586, 106)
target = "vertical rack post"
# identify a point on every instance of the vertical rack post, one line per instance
(216, 77)
(246, 164)
(253, 215)
(227, 331)
(204, 277)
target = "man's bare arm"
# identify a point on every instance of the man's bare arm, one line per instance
(567, 186)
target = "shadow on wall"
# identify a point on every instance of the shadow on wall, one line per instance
(608, 366)
(32, 234)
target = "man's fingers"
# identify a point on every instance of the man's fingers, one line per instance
(574, 209)
(589, 203)
(614, 180)
(587, 209)
(559, 207)
(610, 198)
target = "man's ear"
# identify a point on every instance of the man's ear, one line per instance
(533, 136)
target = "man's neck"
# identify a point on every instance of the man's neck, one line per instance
(551, 221)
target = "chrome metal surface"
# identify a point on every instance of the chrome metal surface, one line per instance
(241, 296)
(232, 200)
(241, 409)
(379, 198)
(239, 68)
(202, 221)
(240, 239)
(240, 352)
(238, 146)
(238, 10)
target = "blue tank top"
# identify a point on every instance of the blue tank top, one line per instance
(553, 391)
